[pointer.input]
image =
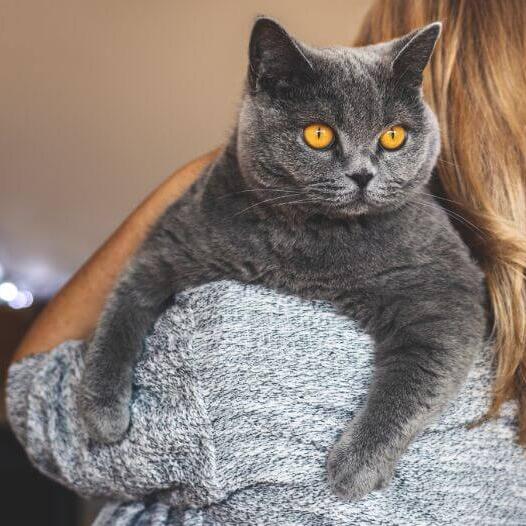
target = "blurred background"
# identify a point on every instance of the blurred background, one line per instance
(100, 101)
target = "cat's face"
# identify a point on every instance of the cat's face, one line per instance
(385, 139)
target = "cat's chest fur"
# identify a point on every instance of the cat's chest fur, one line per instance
(320, 258)
(313, 256)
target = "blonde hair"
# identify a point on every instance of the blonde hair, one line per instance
(476, 84)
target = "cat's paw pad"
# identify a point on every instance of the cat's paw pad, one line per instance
(352, 476)
(105, 421)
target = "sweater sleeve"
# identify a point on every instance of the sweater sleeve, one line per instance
(165, 426)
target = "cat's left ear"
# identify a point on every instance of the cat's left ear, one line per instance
(411, 54)
(275, 58)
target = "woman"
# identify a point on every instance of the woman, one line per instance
(259, 457)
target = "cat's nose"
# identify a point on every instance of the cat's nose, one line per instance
(361, 178)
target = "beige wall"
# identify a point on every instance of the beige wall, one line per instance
(101, 99)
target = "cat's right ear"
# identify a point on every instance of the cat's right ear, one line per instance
(276, 60)
(412, 53)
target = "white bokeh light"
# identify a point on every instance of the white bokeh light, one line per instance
(8, 291)
(23, 300)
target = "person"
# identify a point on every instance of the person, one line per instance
(265, 427)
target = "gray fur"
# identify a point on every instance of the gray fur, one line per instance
(271, 210)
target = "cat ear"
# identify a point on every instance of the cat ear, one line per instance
(412, 53)
(275, 58)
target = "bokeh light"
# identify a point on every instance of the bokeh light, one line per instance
(23, 300)
(8, 291)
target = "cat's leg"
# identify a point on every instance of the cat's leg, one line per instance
(173, 258)
(105, 389)
(423, 353)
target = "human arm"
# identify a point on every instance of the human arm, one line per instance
(42, 411)
(62, 319)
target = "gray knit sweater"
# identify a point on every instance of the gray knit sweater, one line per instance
(238, 395)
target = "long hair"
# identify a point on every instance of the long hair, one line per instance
(476, 84)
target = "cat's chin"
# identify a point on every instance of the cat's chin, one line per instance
(371, 204)
(348, 211)
(359, 206)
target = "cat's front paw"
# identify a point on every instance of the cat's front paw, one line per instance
(106, 420)
(354, 472)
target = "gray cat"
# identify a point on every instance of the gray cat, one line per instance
(320, 192)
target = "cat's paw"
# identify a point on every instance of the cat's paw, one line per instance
(353, 473)
(105, 420)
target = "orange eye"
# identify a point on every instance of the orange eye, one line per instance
(318, 136)
(393, 138)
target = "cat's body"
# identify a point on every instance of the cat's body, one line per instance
(399, 268)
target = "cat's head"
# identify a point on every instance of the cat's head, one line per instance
(341, 131)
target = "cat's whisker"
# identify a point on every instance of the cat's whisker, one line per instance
(259, 190)
(459, 218)
(301, 201)
(320, 193)
(265, 201)
(440, 160)
(322, 182)
(418, 206)
(440, 198)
